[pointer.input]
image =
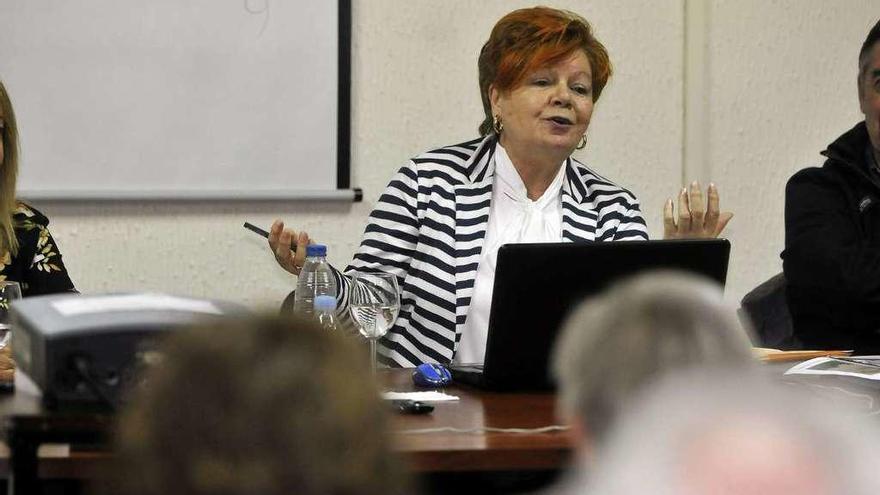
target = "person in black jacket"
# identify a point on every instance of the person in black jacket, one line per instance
(832, 230)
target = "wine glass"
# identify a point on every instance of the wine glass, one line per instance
(9, 291)
(374, 304)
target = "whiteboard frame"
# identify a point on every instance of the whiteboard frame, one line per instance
(354, 195)
(344, 192)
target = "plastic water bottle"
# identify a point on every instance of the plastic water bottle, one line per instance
(325, 312)
(315, 279)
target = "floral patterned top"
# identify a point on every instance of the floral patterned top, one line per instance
(38, 266)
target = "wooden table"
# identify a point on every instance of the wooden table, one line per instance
(28, 424)
(480, 451)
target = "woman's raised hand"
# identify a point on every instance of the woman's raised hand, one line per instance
(280, 242)
(694, 220)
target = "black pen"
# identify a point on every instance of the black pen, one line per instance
(408, 406)
(255, 229)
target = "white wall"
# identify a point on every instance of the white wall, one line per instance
(781, 86)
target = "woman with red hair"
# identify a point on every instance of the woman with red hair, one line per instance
(441, 220)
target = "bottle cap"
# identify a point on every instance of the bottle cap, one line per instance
(325, 303)
(316, 250)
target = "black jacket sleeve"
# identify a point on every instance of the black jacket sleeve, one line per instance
(826, 243)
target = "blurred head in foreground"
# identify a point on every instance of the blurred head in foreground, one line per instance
(261, 406)
(619, 341)
(724, 434)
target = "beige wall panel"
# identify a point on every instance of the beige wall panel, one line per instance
(783, 86)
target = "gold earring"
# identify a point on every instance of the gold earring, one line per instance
(583, 143)
(497, 126)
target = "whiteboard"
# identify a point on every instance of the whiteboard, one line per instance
(176, 98)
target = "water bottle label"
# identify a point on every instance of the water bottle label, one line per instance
(325, 303)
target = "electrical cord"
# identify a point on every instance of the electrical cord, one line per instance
(482, 429)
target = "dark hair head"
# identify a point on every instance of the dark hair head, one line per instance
(265, 406)
(529, 39)
(872, 39)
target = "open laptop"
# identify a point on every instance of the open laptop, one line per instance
(536, 285)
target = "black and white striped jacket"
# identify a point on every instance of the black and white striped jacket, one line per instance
(428, 229)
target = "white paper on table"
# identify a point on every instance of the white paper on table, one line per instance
(44, 451)
(431, 396)
(71, 306)
(837, 367)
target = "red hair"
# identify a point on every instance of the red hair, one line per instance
(528, 39)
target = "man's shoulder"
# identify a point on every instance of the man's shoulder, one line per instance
(809, 174)
(830, 173)
(844, 162)
(829, 186)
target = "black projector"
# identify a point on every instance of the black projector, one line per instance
(86, 352)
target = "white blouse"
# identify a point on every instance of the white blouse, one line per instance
(513, 218)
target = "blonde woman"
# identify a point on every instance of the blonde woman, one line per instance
(28, 253)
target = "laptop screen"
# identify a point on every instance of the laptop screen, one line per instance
(537, 285)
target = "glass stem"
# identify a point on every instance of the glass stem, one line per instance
(373, 355)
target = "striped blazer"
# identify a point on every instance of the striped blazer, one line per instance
(428, 229)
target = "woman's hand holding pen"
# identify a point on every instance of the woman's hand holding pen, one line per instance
(283, 242)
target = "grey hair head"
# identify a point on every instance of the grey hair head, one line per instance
(615, 343)
(711, 431)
